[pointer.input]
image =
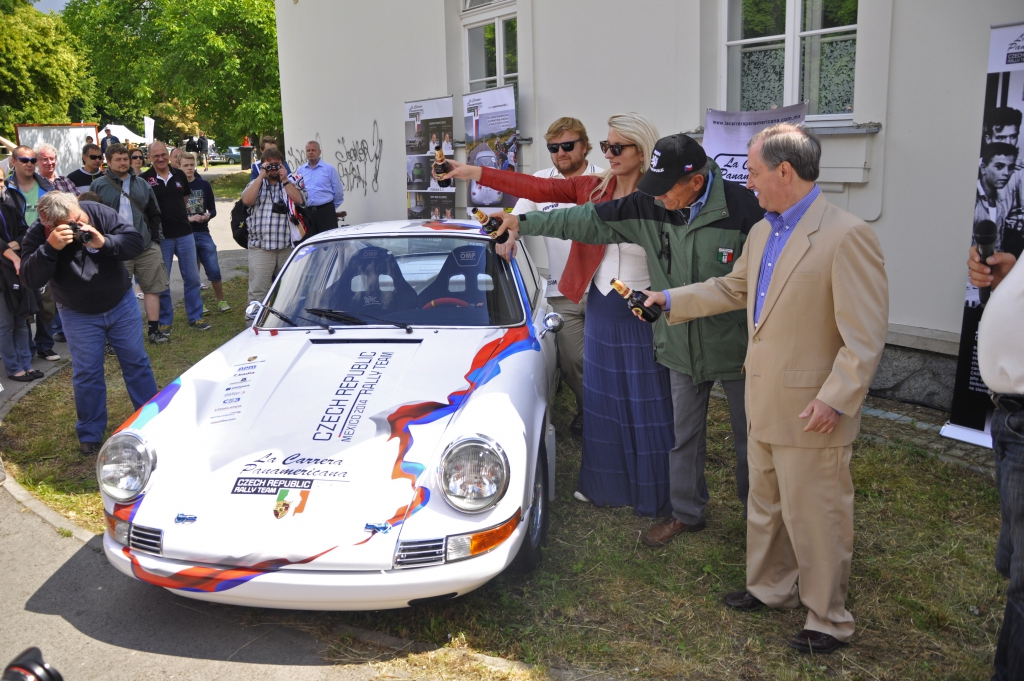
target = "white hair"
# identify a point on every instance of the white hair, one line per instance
(56, 207)
(46, 147)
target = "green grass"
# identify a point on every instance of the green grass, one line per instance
(230, 186)
(927, 599)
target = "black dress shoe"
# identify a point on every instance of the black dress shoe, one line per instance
(807, 641)
(742, 600)
(35, 373)
(90, 448)
(22, 378)
(60, 337)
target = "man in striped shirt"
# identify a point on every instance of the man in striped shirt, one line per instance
(270, 231)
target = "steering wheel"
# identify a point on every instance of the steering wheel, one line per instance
(442, 302)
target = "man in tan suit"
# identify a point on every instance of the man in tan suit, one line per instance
(812, 280)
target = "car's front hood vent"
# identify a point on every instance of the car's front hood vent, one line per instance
(420, 553)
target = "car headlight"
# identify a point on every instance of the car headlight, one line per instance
(124, 465)
(473, 474)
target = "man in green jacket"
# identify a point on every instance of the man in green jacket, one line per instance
(692, 223)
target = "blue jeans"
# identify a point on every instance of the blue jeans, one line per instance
(121, 326)
(14, 340)
(1008, 443)
(185, 248)
(207, 252)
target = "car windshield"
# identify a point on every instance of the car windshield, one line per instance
(416, 280)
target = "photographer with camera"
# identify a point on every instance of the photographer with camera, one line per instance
(270, 230)
(79, 250)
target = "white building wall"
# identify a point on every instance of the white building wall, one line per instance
(347, 67)
(920, 74)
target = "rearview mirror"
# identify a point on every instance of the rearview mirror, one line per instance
(553, 322)
(253, 309)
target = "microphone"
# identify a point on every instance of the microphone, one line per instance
(985, 238)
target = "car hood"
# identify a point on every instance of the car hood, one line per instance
(282, 446)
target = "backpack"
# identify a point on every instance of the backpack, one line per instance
(239, 230)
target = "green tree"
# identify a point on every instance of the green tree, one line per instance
(191, 64)
(122, 41)
(44, 75)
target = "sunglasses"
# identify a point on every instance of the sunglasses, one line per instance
(27, 159)
(616, 149)
(134, 158)
(91, 157)
(566, 146)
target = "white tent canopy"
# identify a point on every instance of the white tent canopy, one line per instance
(122, 133)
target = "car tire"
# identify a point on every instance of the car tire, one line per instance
(530, 552)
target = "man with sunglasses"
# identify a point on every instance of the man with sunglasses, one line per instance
(25, 185)
(693, 224)
(92, 159)
(568, 144)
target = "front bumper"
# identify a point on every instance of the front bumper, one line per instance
(305, 589)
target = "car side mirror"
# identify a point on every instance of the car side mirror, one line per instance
(253, 309)
(553, 322)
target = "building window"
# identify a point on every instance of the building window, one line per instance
(781, 52)
(492, 51)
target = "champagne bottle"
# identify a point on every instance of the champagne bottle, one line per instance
(636, 300)
(490, 224)
(441, 167)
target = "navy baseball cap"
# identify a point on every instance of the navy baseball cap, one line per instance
(673, 157)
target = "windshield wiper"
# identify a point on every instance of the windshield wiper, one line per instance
(286, 318)
(348, 318)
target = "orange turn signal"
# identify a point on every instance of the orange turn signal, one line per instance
(469, 545)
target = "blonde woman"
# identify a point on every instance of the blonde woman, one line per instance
(627, 403)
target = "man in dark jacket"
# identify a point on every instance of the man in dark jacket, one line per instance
(78, 250)
(135, 202)
(693, 224)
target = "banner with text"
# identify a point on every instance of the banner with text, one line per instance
(428, 130)
(999, 199)
(726, 134)
(491, 141)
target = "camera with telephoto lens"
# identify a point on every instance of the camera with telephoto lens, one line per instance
(79, 235)
(29, 666)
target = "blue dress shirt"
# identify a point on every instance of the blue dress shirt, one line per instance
(322, 183)
(782, 228)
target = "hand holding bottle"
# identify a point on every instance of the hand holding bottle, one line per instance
(655, 298)
(460, 171)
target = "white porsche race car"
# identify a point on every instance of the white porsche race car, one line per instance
(379, 438)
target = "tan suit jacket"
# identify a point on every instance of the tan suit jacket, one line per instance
(822, 327)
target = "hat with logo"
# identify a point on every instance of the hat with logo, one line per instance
(673, 157)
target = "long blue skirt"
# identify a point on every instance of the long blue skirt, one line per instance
(628, 427)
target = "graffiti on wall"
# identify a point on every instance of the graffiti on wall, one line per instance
(357, 160)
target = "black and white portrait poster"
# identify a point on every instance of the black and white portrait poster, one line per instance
(999, 198)
(428, 125)
(492, 142)
(726, 134)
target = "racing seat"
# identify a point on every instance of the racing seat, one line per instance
(372, 283)
(462, 277)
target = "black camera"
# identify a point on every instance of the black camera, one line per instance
(79, 235)
(272, 167)
(29, 666)
(279, 207)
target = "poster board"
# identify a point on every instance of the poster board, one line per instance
(491, 141)
(428, 123)
(999, 197)
(726, 134)
(68, 139)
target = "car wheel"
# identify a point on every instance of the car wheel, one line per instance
(529, 556)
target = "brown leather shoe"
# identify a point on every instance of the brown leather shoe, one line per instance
(662, 533)
(807, 641)
(742, 600)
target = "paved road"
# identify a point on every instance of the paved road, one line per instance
(92, 622)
